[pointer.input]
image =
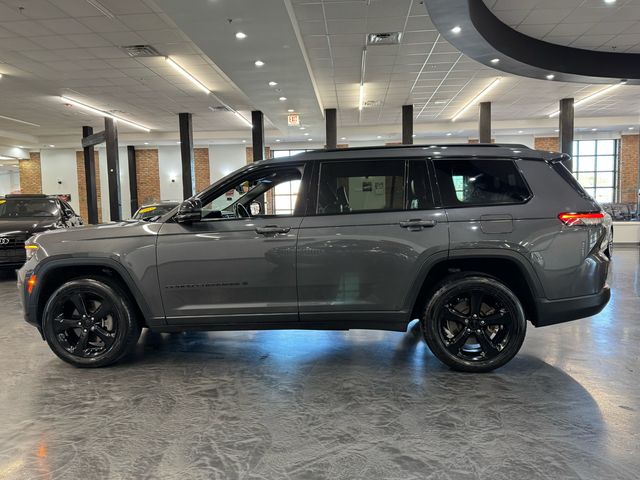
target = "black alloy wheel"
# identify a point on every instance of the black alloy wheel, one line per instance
(474, 323)
(90, 322)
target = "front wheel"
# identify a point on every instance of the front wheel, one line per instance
(90, 322)
(474, 323)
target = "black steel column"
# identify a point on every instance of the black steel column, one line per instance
(484, 125)
(257, 134)
(331, 127)
(133, 178)
(407, 124)
(113, 169)
(566, 119)
(186, 153)
(90, 178)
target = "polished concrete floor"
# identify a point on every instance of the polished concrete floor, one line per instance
(328, 405)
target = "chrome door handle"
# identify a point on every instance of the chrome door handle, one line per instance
(416, 224)
(272, 230)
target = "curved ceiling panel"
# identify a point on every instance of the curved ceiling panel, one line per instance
(483, 37)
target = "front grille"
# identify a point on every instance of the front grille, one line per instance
(12, 246)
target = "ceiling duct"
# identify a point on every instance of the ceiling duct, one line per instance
(141, 51)
(388, 38)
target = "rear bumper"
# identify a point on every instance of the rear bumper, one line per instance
(551, 312)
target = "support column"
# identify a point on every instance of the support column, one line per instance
(186, 154)
(90, 179)
(133, 178)
(331, 124)
(566, 119)
(484, 126)
(257, 135)
(113, 169)
(407, 124)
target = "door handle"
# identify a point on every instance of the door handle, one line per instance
(416, 224)
(272, 230)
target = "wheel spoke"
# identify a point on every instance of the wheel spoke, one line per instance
(81, 344)
(456, 343)
(78, 302)
(61, 324)
(500, 318)
(103, 311)
(475, 302)
(486, 344)
(454, 316)
(107, 337)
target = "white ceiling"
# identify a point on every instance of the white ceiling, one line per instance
(588, 24)
(312, 48)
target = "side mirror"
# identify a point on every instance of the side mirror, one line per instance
(189, 211)
(67, 213)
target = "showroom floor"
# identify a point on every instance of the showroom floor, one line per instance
(335, 405)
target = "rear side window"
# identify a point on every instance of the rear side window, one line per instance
(361, 186)
(480, 182)
(566, 175)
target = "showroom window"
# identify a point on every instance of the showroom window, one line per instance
(480, 182)
(286, 153)
(595, 165)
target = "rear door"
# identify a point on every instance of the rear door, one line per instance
(370, 228)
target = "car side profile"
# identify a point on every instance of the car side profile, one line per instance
(472, 240)
(23, 215)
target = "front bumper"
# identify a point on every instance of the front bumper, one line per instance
(551, 312)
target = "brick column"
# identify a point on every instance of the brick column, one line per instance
(31, 174)
(628, 168)
(202, 172)
(82, 185)
(148, 171)
(550, 144)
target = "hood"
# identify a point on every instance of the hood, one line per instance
(103, 231)
(26, 225)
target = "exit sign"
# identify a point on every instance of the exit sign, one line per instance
(293, 120)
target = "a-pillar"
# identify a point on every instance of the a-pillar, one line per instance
(186, 155)
(257, 134)
(566, 120)
(331, 123)
(407, 124)
(484, 125)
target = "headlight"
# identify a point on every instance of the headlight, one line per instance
(31, 250)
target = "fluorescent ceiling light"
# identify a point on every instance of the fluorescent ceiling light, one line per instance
(186, 74)
(244, 120)
(475, 99)
(587, 99)
(19, 121)
(241, 35)
(363, 65)
(102, 113)
(456, 29)
(101, 8)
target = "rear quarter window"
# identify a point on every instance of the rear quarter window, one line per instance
(480, 182)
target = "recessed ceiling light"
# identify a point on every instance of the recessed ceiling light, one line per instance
(20, 146)
(282, 99)
(520, 131)
(306, 134)
(557, 130)
(448, 134)
(52, 146)
(241, 35)
(277, 139)
(610, 1)
(309, 139)
(146, 143)
(291, 110)
(594, 129)
(259, 63)
(551, 76)
(272, 83)
(630, 128)
(178, 142)
(344, 138)
(244, 141)
(303, 128)
(379, 136)
(413, 135)
(456, 29)
(495, 60)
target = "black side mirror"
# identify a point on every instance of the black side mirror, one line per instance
(67, 213)
(189, 211)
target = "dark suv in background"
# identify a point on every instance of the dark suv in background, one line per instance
(23, 215)
(473, 240)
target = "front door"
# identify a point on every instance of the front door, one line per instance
(373, 227)
(238, 263)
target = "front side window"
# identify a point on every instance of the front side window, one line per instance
(272, 192)
(480, 182)
(361, 186)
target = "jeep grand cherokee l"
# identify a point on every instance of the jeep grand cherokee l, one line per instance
(473, 240)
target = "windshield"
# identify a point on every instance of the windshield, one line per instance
(28, 207)
(152, 212)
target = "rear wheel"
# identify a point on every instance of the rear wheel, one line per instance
(474, 323)
(90, 322)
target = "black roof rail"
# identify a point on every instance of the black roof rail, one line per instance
(433, 145)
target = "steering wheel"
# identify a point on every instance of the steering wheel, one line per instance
(241, 211)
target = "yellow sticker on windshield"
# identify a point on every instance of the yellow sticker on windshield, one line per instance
(146, 210)
(2, 201)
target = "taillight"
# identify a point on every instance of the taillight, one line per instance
(581, 219)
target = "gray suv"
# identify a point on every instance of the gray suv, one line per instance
(473, 240)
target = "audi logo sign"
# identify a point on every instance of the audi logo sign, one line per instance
(4, 241)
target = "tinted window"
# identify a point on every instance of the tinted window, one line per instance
(480, 182)
(419, 195)
(564, 172)
(28, 207)
(361, 186)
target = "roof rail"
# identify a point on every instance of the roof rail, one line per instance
(433, 145)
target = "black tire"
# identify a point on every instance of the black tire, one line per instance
(474, 323)
(109, 330)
